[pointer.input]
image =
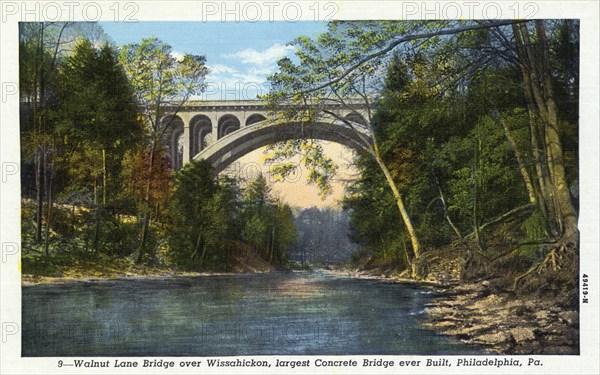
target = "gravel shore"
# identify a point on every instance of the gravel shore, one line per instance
(502, 322)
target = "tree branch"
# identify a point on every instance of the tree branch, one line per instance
(405, 39)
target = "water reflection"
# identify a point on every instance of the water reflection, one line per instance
(251, 314)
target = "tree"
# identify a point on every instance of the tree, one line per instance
(267, 222)
(344, 65)
(534, 62)
(200, 217)
(160, 81)
(40, 50)
(346, 62)
(42, 47)
(284, 233)
(544, 54)
(94, 124)
(256, 216)
(98, 114)
(136, 173)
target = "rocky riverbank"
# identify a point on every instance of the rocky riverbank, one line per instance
(499, 321)
(503, 322)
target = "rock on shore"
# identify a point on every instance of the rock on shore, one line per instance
(502, 322)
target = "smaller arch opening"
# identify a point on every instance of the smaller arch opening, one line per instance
(201, 130)
(228, 124)
(177, 160)
(174, 140)
(356, 117)
(254, 118)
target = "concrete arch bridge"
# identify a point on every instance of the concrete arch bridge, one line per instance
(222, 131)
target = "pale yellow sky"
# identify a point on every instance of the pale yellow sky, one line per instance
(295, 191)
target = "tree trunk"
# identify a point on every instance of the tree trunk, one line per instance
(400, 203)
(147, 207)
(475, 208)
(39, 157)
(566, 217)
(204, 246)
(48, 214)
(143, 236)
(538, 156)
(96, 232)
(445, 208)
(197, 247)
(104, 177)
(520, 163)
(562, 217)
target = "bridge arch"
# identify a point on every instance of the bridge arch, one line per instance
(241, 142)
(227, 124)
(200, 133)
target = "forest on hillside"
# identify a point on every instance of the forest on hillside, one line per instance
(471, 154)
(99, 191)
(472, 148)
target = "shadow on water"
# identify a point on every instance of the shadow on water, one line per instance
(293, 313)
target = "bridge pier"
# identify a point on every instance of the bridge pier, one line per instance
(186, 142)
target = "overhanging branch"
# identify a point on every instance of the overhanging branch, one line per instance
(405, 39)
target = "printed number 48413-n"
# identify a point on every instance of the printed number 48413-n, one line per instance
(584, 288)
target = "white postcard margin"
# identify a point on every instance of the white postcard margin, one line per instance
(13, 12)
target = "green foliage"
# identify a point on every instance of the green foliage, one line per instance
(158, 78)
(198, 217)
(267, 223)
(255, 230)
(483, 161)
(453, 91)
(205, 214)
(136, 175)
(78, 236)
(97, 119)
(431, 159)
(534, 227)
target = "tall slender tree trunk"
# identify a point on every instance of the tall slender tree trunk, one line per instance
(520, 162)
(38, 126)
(445, 208)
(48, 213)
(143, 237)
(147, 208)
(567, 217)
(562, 217)
(197, 247)
(412, 233)
(204, 247)
(100, 208)
(104, 177)
(475, 208)
(540, 166)
(39, 157)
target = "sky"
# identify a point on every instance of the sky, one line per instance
(294, 189)
(239, 56)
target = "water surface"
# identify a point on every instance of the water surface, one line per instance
(293, 313)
